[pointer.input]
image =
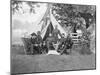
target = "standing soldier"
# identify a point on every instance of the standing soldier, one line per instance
(55, 33)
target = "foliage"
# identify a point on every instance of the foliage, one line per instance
(16, 6)
(66, 13)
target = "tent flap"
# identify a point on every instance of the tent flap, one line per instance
(50, 25)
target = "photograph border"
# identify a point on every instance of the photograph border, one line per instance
(60, 70)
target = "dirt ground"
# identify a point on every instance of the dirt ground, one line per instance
(21, 63)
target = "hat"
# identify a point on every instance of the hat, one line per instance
(33, 34)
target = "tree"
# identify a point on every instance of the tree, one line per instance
(67, 13)
(16, 6)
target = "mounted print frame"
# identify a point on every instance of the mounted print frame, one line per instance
(52, 37)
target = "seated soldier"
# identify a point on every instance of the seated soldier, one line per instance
(34, 45)
(62, 40)
(61, 44)
(39, 41)
(39, 38)
(49, 42)
(33, 37)
(67, 45)
(44, 47)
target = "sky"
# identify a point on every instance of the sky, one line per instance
(22, 23)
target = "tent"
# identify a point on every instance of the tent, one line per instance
(48, 23)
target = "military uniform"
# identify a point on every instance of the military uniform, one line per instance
(61, 45)
(39, 42)
(44, 47)
(49, 42)
(39, 39)
(34, 45)
(66, 44)
(55, 34)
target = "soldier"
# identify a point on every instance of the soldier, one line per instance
(50, 41)
(39, 41)
(39, 38)
(62, 38)
(34, 43)
(61, 44)
(44, 47)
(69, 41)
(55, 33)
(67, 45)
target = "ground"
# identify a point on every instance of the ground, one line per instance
(21, 63)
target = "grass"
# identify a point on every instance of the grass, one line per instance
(21, 63)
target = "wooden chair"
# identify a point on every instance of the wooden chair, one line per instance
(27, 45)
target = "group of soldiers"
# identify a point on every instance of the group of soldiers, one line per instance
(40, 46)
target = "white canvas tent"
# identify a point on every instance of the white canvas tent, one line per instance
(48, 22)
